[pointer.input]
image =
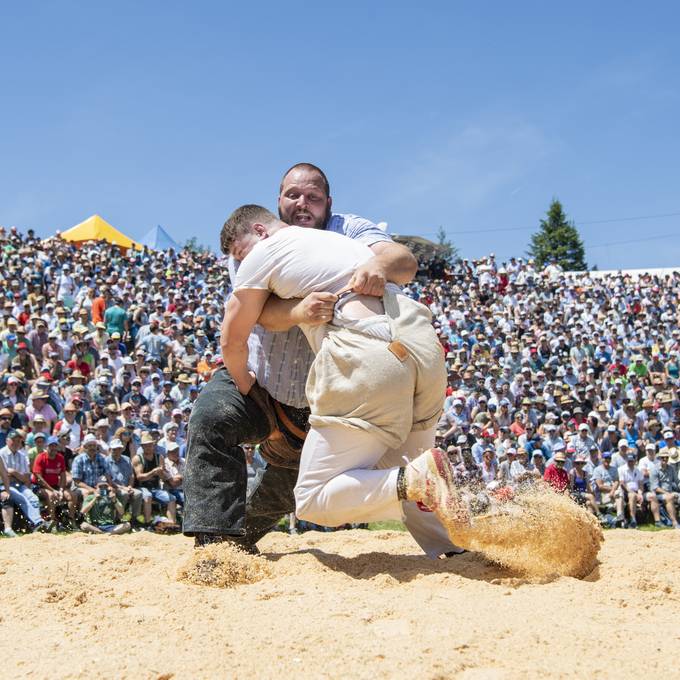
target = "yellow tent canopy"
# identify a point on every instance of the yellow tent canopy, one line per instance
(96, 228)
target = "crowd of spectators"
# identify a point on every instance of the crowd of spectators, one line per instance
(102, 355)
(572, 379)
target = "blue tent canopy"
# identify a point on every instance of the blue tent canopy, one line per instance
(159, 239)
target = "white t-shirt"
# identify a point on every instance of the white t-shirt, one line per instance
(275, 263)
(630, 479)
(295, 262)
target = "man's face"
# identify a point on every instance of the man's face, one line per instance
(303, 200)
(243, 245)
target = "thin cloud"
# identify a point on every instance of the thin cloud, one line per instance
(473, 164)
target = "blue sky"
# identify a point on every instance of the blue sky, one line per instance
(467, 115)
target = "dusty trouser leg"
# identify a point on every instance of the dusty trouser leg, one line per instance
(271, 499)
(338, 482)
(424, 526)
(216, 477)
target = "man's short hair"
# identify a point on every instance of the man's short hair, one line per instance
(241, 221)
(311, 168)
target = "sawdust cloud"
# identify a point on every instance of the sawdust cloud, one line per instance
(537, 533)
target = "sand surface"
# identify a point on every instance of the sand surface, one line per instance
(352, 604)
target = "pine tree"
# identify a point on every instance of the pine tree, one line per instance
(558, 238)
(447, 250)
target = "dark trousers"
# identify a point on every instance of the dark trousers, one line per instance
(215, 478)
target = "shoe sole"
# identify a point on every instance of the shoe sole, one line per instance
(446, 499)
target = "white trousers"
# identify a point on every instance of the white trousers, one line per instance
(348, 475)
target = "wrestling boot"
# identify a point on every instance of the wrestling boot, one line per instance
(429, 480)
(203, 539)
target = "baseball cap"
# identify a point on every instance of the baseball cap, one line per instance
(52, 440)
(116, 444)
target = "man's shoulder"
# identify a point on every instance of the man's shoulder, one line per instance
(357, 227)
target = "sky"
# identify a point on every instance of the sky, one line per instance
(468, 116)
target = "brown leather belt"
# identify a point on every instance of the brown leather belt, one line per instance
(287, 422)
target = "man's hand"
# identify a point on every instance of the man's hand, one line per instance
(315, 309)
(4, 496)
(370, 278)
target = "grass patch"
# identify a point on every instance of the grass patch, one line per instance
(389, 525)
(651, 527)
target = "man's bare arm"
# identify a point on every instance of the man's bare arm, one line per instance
(392, 262)
(242, 312)
(281, 315)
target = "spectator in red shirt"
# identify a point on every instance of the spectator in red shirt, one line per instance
(78, 363)
(99, 306)
(49, 473)
(556, 475)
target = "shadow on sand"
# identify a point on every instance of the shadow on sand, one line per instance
(405, 568)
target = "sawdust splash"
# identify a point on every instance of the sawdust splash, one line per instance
(222, 565)
(536, 533)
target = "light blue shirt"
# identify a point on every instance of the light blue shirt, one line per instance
(281, 361)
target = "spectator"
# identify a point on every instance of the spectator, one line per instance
(103, 511)
(173, 467)
(631, 480)
(49, 474)
(150, 475)
(664, 483)
(579, 485)
(123, 477)
(6, 502)
(555, 474)
(18, 470)
(89, 467)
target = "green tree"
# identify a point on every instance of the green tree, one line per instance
(447, 251)
(196, 247)
(558, 238)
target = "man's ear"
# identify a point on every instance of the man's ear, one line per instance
(330, 203)
(260, 230)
